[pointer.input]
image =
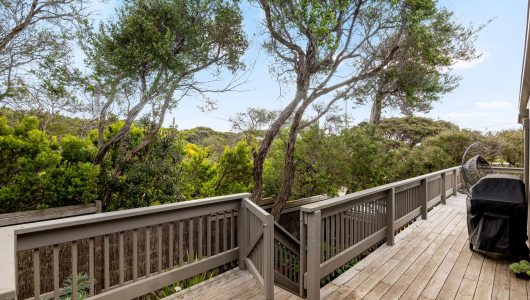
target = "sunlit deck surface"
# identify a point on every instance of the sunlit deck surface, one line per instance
(430, 260)
(234, 284)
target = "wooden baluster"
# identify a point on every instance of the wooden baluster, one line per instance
(74, 270)
(160, 267)
(56, 283)
(106, 260)
(209, 237)
(225, 231)
(217, 235)
(36, 274)
(199, 234)
(147, 252)
(327, 237)
(171, 260)
(342, 229)
(135, 255)
(90, 268)
(181, 243)
(190, 241)
(232, 241)
(122, 259)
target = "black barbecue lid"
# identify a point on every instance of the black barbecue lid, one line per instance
(499, 193)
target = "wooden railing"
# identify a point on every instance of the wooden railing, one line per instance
(143, 250)
(286, 260)
(338, 230)
(507, 170)
(50, 214)
(258, 245)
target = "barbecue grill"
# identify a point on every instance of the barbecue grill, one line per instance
(496, 215)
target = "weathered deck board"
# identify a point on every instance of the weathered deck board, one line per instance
(430, 260)
(234, 284)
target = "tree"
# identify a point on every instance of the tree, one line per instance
(329, 47)
(252, 122)
(32, 31)
(412, 130)
(37, 173)
(419, 76)
(153, 51)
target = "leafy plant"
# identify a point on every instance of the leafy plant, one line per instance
(83, 286)
(185, 284)
(522, 267)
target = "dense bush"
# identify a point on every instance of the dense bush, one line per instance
(39, 170)
(36, 172)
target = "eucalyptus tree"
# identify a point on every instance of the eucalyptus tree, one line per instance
(152, 52)
(32, 31)
(416, 78)
(325, 49)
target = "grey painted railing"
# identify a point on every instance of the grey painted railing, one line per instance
(174, 241)
(50, 214)
(258, 246)
(146, 249)
(338, 230)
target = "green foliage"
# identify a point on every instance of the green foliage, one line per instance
(232, 174)
(83, 287)
(522, 267)
(412, 130)
(36, 175)
(151, 177)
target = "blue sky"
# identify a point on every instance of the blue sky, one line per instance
(486, 99)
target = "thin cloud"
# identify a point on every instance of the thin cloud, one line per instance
(493, 105)
(457, 115)
(461, 65)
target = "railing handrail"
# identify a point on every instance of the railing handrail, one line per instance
(32, 216)
(508, 169)
(360, 194)
(135, 212)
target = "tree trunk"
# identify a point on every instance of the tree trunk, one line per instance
(290, 164)
(259, 157)
(375, 114)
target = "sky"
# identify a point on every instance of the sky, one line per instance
(486, 99)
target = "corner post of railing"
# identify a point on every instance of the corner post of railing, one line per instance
(390, 216)
(241, 233)
(453, 182)
(303, 253)
(443, 188)
(268, 261)
(99, 206)
(313, 254)
(424, 198)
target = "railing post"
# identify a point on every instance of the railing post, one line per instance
(268, 261)
(424, 192)
(453, 180)
(390, 214)
(303, 253)
(313, 255)
(443, 188)
(97, 256)
(241, 233)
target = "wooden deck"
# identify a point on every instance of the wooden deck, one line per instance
(234, 284)
(430, 260)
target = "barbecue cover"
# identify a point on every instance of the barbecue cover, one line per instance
(496, 215)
